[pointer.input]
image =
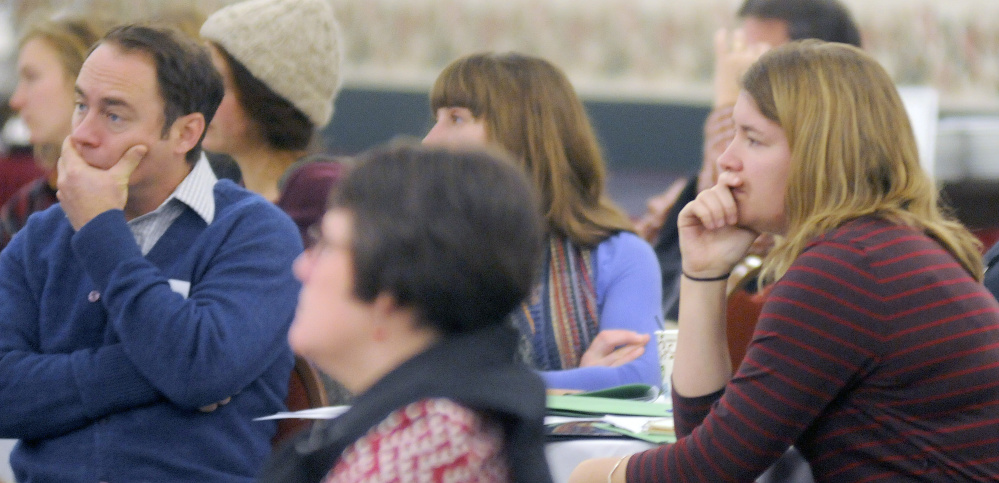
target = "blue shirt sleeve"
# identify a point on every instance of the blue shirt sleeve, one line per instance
(629, 295)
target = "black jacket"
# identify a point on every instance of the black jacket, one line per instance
(667, 248)
(475, 370)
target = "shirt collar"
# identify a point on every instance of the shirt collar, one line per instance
(197, 190)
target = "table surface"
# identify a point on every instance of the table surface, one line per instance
(564, 456)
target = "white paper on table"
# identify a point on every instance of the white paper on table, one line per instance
(635, 424)
(549, 420)
(326, 412)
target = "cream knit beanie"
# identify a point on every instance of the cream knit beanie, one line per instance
(292, 46)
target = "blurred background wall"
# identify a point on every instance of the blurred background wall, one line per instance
(643, 66)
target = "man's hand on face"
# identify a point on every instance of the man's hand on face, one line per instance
(86, 191)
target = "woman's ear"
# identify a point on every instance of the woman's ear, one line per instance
(392, 318)
(385, 310)
(385, 305)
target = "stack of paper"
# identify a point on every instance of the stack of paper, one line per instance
(649, 421)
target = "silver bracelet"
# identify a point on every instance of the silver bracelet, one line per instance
(614, 468)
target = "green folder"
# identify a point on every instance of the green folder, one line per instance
(635, 392)
(574, 405)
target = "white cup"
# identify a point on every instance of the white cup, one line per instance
(666, 342)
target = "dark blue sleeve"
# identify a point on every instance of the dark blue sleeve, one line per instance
(47, 392)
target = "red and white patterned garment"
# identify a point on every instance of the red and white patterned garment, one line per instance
(433, 440)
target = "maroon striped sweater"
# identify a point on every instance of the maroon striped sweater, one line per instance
(876, 355)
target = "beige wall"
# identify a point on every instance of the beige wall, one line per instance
(656, 48)
(630, 48)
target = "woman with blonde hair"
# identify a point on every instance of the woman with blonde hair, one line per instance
(589, 319)
(877, 353)
(50, 55)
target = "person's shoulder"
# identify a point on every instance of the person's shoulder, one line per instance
(863, 232)
(231, 198)
(866, 244)
(443, 421)
(236, 205)
(444, 409)
(626, 240)
(625, 245)
(46, 220)
(315, 171)
(440, 436)
(43, 230)
(446, 415)
(27, 191)
(626, 257)
(228, 193)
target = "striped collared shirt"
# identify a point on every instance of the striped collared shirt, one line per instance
(196, 191)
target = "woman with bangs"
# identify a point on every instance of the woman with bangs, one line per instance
(588, 322)
(877, 352)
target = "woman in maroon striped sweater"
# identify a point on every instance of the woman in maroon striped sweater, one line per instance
(877, 353)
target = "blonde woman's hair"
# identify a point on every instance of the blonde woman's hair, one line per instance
(72, 33)
(70, 37)
(530, 108)
(852, 148)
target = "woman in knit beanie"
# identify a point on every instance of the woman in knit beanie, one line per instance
(280, 61)
(280, 64)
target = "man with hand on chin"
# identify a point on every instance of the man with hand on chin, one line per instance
(143, 319)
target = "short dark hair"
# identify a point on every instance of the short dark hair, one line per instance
(455, 235)
(188, 81)
(827, 20)
(282, 124)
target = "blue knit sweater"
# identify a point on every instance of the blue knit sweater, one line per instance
(104, 362)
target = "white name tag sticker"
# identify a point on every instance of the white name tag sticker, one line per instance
(180, 286)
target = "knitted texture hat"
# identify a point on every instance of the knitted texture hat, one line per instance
(292, 46)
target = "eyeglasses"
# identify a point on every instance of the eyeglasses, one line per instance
(317, 244)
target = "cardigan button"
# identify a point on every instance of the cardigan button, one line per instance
(94, 296)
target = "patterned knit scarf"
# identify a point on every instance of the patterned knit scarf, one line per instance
(560, 317)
